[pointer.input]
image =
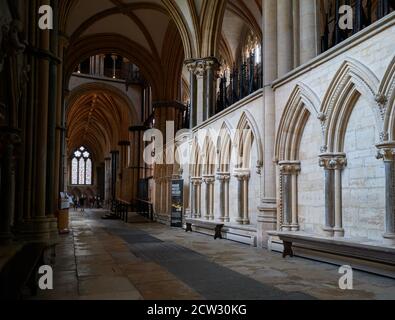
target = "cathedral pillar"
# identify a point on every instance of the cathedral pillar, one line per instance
(387, 153)
(107, 180)
(243, 178)
(284, 36)
(224, 179)
(191, 65)
(289, 171)
(201, 102)
(209, 181)
(308, 29)
(267, 217)
(212, 66)
(136, 158)
(123, 160)
(9, 139)
(333, 165)
(114, 173)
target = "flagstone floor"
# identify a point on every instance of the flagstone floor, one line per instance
(111, 260)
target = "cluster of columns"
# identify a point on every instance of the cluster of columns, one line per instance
(387, 154)
(96, 65)
(289, 171)
(203, 81)
(333, 164)
(289, 40)
(31, 134)
(163, 182)
(224, 179)
(242, 176)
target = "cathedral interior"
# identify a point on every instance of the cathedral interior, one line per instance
(197, 149)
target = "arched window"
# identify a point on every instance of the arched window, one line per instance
(81, 167)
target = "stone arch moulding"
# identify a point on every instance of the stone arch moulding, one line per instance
(97, 86)
(247, 119)
(302, 103)
(224, 148)
(190, 46)
(352, 80)
(109, 43)
(386, 100)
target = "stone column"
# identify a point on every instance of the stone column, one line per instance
(197, 182)
(308, 30)
(387, 153)
(107, 180)
(209, 181)
(101, 64)
(212, 66)
(284, 36)
(201, 105)
(9, 138)
(114, 58)
(333, 164)
(223, 179)
(123, 163)
(267, 217)
(192, 199)
(243, 177)
(289, 171)
(191, 65)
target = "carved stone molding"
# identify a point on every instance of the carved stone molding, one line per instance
(196, 181)
(333, 161)
(10, 44)
(386, 151)
(223, 177)
(242, 174)
(209, 179)
(289, 167)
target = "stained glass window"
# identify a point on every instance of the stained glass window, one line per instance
(74, 171)
(88, 175)
(81, 167)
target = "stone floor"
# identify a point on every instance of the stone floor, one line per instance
(111, 260)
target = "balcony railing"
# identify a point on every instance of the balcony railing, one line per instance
(243, 81)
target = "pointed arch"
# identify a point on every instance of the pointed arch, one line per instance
(352, 80)
(387, 89)
(196, 160)
(247, 132)
(302, 103)
(209, 154)
(224, 147)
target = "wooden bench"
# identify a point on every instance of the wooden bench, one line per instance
(336, 246)
(217, 227)
(21, 272)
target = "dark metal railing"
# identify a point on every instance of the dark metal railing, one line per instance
(365, 13)
(244, 80)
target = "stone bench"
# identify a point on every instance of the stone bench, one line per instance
(337, 246)
(211, 225)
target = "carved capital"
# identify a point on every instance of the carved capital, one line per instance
(386, 151)
(223, 177)
(209, 179)
(333, 161)
(242, 175)
(196, 181)
(289, 167)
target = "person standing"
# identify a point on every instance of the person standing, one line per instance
(82, 203)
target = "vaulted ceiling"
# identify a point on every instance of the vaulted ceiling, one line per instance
(157, 36)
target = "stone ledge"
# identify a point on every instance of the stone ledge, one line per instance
(361, 254)
(246, 234)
